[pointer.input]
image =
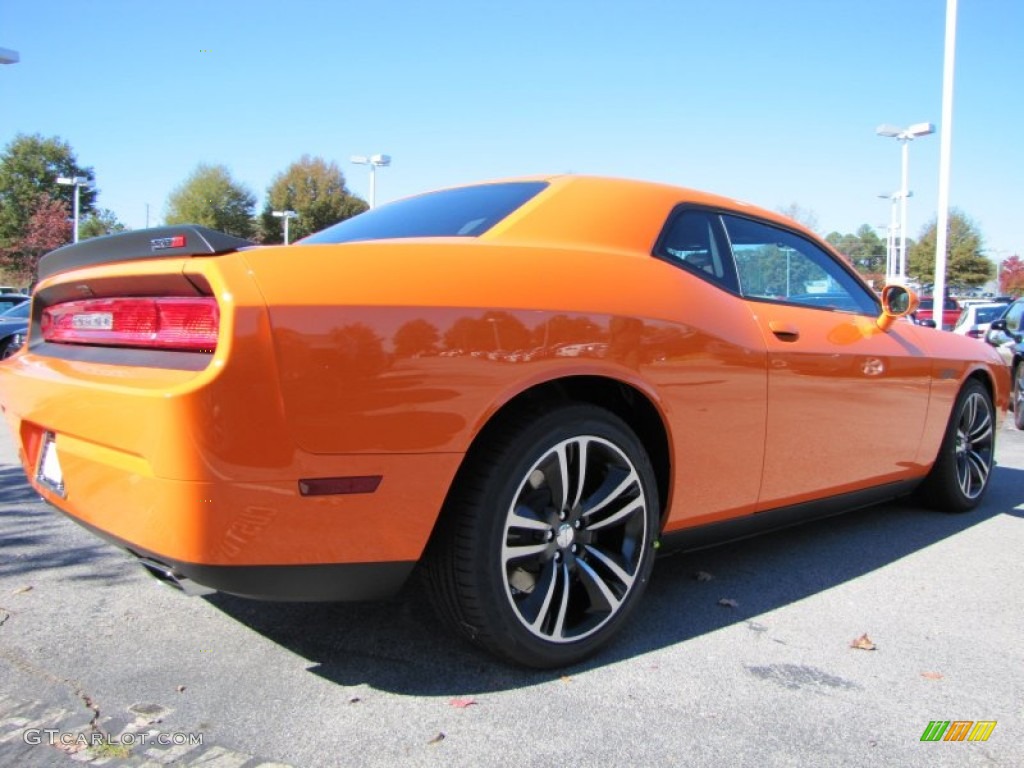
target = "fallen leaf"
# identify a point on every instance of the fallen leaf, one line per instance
(703, 576)
(863, 643)
(180, 689)
(931, 675)
(728, 603)
(22, 590)
(462, 703)
(566, 679)
(437, 739)
(354, 700)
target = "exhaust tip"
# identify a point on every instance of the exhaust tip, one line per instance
(167, 575)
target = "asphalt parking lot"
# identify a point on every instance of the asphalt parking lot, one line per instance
(92, 648)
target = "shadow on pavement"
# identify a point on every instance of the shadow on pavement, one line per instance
(398, 646)
(34, 538)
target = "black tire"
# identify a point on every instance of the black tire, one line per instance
(1018, 395)
(7, 348)
(572, 489)
(961, 473)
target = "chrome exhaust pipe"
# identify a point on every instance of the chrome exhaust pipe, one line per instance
(167, 575)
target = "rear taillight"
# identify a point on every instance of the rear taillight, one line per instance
(158, 323)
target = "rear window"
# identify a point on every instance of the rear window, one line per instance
(462, 212)
(987, 314)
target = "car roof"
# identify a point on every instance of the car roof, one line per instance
(619, 214)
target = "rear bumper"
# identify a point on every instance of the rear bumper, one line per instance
(207, 528)
(307, 583)
(212, 488)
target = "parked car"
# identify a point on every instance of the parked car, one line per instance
(950, 311)
(975, 318)
(317, 420)
(8, 300)
(1006, 334)
(13, 329)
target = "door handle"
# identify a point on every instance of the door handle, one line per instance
(784, 331)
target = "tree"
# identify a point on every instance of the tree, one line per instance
(966, 266)
(101, 222)
(47, 228)
(1011, 276)
(29, 168)
(416, 337)
(314, 189)
(211, 198)
(864, 249)
(798, 213)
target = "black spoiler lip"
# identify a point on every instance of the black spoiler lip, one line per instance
(140, 244)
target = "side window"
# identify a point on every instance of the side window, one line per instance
(693, 241)
(1013, 316)
(777, 265)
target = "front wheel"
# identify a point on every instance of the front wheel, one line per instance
(960, 476)
(547, 542)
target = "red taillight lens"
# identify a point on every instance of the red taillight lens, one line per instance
(158, 323)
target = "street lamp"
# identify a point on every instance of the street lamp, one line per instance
(7, 56)
(904, 136)
(77, 182)
(375, 162)
(286, 215)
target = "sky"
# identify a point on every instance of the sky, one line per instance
(772, 102)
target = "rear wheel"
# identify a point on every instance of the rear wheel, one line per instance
(960, 476)
(547, 542)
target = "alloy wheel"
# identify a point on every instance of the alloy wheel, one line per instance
(975, 439)
(574, 538)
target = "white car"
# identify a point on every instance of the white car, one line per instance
(975, 319)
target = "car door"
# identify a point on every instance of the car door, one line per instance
(846, 401)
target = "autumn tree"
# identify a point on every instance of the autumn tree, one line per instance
(1011, 276)
(29, 169)
(47, 228)
(966, 265)
(314, 189)
(211, 198)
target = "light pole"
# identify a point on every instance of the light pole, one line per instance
(904, 136)
(77, 182)
(891, 254)
(286, 215)
(7, 56)
(375, 162)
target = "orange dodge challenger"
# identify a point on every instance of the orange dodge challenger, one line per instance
(523, 386)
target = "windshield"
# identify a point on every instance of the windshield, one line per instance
(460, 212)
(17, 311)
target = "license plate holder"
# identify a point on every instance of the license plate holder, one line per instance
(49, 473)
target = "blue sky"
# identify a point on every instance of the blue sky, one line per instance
(771, 102)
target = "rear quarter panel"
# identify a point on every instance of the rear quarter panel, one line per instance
(412, 346)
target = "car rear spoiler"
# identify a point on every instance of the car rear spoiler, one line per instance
(158, 242)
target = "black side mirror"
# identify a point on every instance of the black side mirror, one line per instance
(998, 334)
(927, 323)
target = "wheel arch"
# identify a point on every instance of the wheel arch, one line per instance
(626, 401)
